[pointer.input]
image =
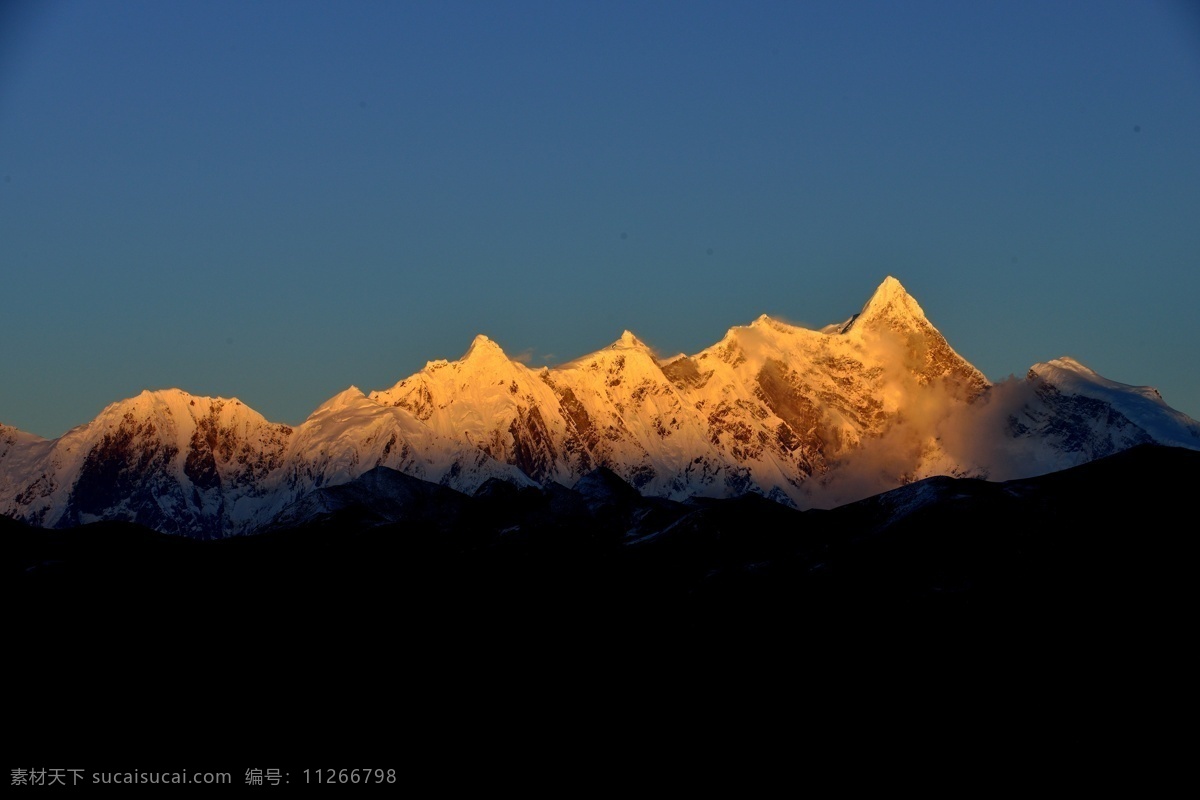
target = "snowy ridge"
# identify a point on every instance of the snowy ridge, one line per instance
(1141, 405)
(167, 456)
(805, 417)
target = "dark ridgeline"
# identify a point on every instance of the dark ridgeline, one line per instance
(989, 605)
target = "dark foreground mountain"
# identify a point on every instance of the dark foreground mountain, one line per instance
(1049, 609)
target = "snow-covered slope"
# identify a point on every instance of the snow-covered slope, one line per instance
(1075, 415)
(165, 459)
(795, 414)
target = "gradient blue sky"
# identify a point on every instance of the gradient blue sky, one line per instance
(275, 200)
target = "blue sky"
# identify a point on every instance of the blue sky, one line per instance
(276, 200)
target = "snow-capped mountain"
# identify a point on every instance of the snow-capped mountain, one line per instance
(170, 460)
(1077, 415)
(804, 417)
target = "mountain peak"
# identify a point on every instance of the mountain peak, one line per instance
(1142, 405)
(483, 347)
(1067, 373)
(164, 394)
(628, 342)
(1069, 364)
(173, 398)
(766, 322)
(890, 304)
(343, 399)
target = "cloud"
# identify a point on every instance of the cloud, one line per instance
(529, 358)
(934, 430)
(937, 432)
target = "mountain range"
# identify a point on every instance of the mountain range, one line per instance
(808, 418)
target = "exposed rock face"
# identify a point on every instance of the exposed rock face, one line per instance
(771, 409)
